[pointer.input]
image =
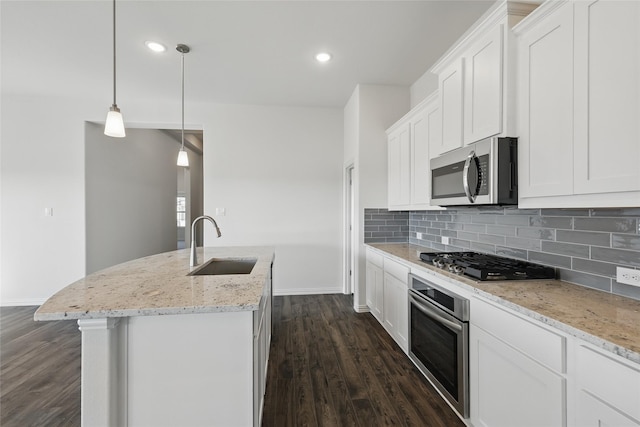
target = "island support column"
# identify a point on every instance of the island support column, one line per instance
(104, 372)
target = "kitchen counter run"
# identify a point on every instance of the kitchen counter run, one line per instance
(159, 285)
(608, 321)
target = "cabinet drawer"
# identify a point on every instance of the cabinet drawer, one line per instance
(397, 270)
(611, 381)
(540, 344)
(374, 258)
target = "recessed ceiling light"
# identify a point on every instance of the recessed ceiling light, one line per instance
(323, 57)
(155, 46)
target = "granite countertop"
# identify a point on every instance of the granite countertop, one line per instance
(158, 285)
(606, 320)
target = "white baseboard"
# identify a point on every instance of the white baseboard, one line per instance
(361, 308)
(21, 302)
(306, 291)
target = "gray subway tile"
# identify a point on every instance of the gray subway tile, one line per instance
(501, 230)
(513, 220)
(569, 249)
(519, 242)
(522, 211)
(478, 228)
(551, 222)
(467, 236)
(486, 219)
(565, 212)
(536, 233)
(455, 226)
(491, 239)
(616, 256)
(634, 212)
(434, 231)
(449, 233)
(625, 290)
(595, 267)
(626, 241)
(585, 279)
(583, 237)
(460, 243)
(614, 225)
(550, 259)
(438, 224)
(483, 247)
(511, 252)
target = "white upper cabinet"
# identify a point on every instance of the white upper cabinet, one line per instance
(399, 170)
(450, 85)
(607, 97)
(483, 67)
(579, 105)
(545, 144)
(409, 143)
(476, 79)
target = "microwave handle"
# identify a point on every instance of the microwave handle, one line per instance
(465, 177)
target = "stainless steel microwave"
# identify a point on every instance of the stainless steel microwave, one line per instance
(482, 173)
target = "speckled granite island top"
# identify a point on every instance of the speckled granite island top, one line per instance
(159, 284)
(609, 321)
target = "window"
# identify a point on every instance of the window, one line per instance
(181, 210)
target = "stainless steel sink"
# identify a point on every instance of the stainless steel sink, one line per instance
(225, 266)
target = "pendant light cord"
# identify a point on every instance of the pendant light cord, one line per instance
(114, 53)
(182, 100)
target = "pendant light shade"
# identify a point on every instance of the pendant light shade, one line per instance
(114, 126)
(183, 159)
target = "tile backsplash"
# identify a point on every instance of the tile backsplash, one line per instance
(584, 245)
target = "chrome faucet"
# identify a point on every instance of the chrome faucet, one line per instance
(193, 259)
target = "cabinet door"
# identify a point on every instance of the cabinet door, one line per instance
(510, 389)
(396, 312)
(420, 172)
(375, 295)
(595, 413)
(451, 106)
(483, 66)
(399, 171)
(607, 97)
(545, 145)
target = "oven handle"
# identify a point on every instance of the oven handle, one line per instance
(427, 310)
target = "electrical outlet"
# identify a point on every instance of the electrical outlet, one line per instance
(445, 240)
(419, 236)
(628, 276)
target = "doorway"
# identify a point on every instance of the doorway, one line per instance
(350, 240)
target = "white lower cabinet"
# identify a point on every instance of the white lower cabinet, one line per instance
(396, 302)
(607, 389)
(516, 370)
(374, 283)
(387, 287)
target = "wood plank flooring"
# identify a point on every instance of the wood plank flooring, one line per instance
(39, 370)
(329, 366)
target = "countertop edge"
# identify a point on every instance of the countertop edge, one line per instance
(549, 321)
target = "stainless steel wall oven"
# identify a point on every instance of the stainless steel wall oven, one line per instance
(439, 339)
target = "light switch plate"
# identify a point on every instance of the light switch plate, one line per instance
(628, 276)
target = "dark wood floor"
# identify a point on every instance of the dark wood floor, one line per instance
(329, 367)
(39, 370)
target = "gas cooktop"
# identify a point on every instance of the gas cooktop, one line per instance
(488, 267)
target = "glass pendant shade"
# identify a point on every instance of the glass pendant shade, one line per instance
(114, 125)
(183, 159)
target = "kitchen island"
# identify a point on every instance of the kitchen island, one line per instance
(164, 348)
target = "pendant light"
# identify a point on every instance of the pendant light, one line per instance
(183, 159)
(114, 125)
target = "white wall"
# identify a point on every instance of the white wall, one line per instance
(278, 173)
(131, 188)
(368, 113)
(423, 87)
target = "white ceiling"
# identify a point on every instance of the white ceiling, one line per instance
(242, 52)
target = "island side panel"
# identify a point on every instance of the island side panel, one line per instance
(104, 372)
(190, 370)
